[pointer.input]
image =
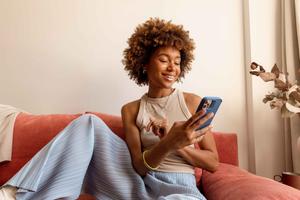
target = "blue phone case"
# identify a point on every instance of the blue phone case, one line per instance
(211, 104)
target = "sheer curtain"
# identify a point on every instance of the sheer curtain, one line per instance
(290, 43)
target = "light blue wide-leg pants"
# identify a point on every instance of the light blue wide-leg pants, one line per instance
(87, 156)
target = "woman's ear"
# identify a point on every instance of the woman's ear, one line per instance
(145, 67)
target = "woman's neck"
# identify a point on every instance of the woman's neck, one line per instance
(158, 93)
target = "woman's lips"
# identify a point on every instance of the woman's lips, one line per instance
(169, 77)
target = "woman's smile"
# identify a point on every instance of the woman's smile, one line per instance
(169, 77)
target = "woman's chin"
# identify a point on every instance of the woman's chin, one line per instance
(167, 83)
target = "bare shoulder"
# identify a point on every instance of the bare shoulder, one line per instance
(131, 108)
(132, 104)
(192, 101)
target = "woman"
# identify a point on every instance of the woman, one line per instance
(158, 159)
(160, 131)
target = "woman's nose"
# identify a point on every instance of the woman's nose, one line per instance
(171, 66)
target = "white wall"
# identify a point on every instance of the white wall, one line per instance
(65, 56)
(266, 129)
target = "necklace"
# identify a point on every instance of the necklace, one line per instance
(158, 109)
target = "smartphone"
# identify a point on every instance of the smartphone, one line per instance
(211, 104)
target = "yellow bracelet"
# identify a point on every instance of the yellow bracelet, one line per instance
(146, 164)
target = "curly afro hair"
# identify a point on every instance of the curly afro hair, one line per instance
(149, 36)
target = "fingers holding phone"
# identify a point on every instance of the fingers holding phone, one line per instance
(203, 131)
(194, 119)
(184, 133)
(203, 117)
(210, 105)
(200, 124)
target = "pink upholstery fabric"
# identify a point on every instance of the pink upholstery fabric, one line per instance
(31, 133)
(232, 183)
(227, 147)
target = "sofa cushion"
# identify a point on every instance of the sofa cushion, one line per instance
(230, 182)
(31, 133)
(227, 147)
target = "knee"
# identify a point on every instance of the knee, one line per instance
(96, 121)
(87, 118)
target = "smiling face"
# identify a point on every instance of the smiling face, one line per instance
(163, 68)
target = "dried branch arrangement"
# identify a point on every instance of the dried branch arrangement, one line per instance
(286, 97)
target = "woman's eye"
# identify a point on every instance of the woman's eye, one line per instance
(163, 61)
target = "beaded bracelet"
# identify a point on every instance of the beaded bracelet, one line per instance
(146, 164)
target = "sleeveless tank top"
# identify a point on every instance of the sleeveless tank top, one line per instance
(171, 108)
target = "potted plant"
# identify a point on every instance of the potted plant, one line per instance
(286, 98)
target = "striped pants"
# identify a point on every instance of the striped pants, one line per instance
(87, 157)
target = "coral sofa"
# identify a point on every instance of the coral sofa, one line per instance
(32, 132)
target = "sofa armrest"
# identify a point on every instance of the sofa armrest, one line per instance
(230, 182)
(227, 147)
(31, 133)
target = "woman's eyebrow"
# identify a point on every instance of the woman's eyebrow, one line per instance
(165, 54)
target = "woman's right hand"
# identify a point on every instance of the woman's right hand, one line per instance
(158, 127)
(183, 133)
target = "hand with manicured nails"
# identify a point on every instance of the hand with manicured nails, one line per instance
(183, 133)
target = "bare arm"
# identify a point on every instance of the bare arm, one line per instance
(132, 137)
(206, 157)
